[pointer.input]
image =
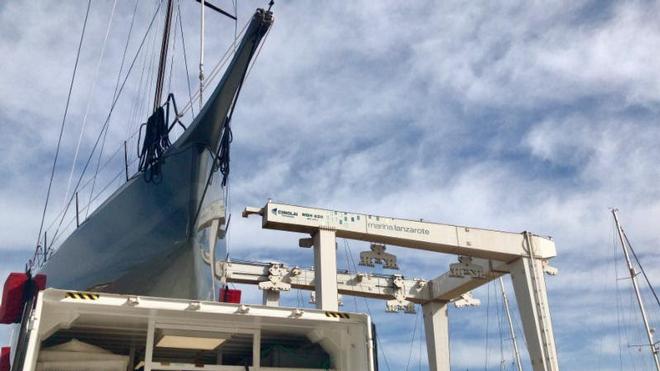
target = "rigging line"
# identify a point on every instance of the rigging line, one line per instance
(123, 60)
(630, 311)
(87, 207)
(87, 183)
(348, 268)
(123, 57)
(366, 304)
(90, 97)
(235, 3)
(228, 53)
(121, 67)
(143, 90)
(107, 128)
(169, 79)
(59, 140)
(421, 320)
(412, 341)
(145, 83)
(215, 71)
(626, 319)
(227, 229)
(107, 120)
(153, 68)
(646, 278)
(498, 303)
(135, 107)
(259, 51)
(151, 76)
(223, 147)
(106, 163)
(487, 325)
(98, 163)
(185, 57)
(617, 299)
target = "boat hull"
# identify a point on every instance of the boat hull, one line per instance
(141, 240)
(158, 237)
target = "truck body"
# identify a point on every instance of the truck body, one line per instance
(71, 330)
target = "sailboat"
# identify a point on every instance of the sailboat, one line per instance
(156, 234)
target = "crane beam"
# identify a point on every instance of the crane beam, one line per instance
(464, 276)
(444, 238)
(278, 277)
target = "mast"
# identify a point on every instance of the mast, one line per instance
(201, 55)
(163, 56)
(516, 351)
(633, 277)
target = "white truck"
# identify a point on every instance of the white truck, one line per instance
(73, 331)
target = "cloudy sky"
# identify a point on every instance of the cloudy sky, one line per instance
(507, 115)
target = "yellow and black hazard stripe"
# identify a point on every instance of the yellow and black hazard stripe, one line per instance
(337, 315)
(81, 295)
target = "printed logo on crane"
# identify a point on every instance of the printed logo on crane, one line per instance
(284, 213)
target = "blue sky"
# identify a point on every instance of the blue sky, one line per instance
(510, 115)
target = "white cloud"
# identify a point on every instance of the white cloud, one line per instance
(510, 116)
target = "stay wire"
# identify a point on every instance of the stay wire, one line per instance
(639, 263)
(107, 120)
(366, 304)
(421, 341)
(88, 205)
(221, 159)
(59, 140)
(90, 98)
(215, 71)
(114, 94)
(143, 87)
(107, 128)
(617, 296)
(185, 58)
(89, 181)
(169, 78)
(487, 326)
(412, 341)
(348, 268)
(498, 310)
(137, 103)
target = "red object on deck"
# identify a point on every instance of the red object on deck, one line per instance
(40, 281)
(14, 295)
(4, 359)
(230, 296)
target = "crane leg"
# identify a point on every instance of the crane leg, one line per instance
(436, 327)
(325, 269)
(531, 295)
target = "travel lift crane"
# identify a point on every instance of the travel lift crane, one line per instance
(483, 255)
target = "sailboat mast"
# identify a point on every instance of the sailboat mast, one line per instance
(633, 277)
(201, 54)
(163, 56)
(516, 351)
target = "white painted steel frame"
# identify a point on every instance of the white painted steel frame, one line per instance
(415, 234)
(522, 254)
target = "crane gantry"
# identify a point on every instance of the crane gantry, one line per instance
(483, 255)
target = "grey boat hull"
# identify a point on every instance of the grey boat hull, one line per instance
(145, 239)
(144, 228)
